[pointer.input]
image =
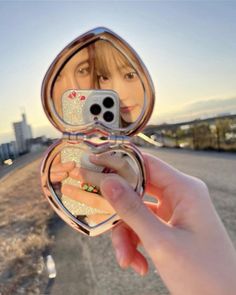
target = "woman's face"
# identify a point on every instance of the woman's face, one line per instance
(122, 78)
(118, 76)
(76, 74)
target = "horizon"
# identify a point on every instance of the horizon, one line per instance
(51, 132)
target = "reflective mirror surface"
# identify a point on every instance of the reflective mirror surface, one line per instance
(99, 66)
(98, 80)
(75, 177)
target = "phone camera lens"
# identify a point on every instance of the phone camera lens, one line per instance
(95, 109)
(108, 116)
(108, 102)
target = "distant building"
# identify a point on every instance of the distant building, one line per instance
(1, 155)
(8, 151)
(23, 134)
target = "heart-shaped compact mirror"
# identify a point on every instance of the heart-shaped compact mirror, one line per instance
(97, 93)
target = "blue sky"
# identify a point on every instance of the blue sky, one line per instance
(189, 48)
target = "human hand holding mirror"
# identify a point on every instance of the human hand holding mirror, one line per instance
(97, 93)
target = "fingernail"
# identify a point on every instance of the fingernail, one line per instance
(138, 269)
(119, 257)
(112, 188)
(75, 172)
(142, 272)
(62, 174)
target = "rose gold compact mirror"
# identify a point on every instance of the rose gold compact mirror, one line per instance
(98, 94)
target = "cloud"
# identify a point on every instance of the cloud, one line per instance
(198, 109)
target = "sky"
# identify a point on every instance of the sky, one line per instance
(189, 48)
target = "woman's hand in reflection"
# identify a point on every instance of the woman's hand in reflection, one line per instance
(90, 199)
(113, 163)
(182, 232)
(60, 171)
(117, 161)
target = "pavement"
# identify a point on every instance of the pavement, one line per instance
(87, 266)
(19, 162)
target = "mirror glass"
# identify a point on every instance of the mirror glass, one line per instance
(99, 83)
(75, 176)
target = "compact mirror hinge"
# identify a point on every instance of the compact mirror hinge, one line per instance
(74, 136)
(97, 138)
(118, 139)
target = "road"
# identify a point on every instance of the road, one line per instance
(19, 163)
(86, 266)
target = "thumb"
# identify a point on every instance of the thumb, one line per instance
(129, 206)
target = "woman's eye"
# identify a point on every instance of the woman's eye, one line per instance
(83, 71)
(131, 76)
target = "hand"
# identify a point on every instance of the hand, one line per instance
(182, 232)
(120, 164)
(115, 163)
(60, 171)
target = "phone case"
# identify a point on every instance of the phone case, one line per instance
(79, 107)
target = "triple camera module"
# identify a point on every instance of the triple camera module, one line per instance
(108, 103)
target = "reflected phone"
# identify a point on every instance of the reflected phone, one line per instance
(80, 107)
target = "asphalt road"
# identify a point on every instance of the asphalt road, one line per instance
(87, 266)
(20, 162)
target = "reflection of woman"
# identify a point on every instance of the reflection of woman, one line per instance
(114, 71)
(76, 74)
(102, 66)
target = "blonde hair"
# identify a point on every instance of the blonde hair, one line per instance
(105, 55)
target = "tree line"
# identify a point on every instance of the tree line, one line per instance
(218, 134)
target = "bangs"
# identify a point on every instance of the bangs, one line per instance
(107, 56)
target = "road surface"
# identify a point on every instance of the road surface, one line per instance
(86, 266)
(20, 162)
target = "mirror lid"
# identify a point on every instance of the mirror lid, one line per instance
(100, 33)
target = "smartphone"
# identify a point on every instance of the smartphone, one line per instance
(81, 107)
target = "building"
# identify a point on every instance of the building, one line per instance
(8, 151)
(23, 134)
